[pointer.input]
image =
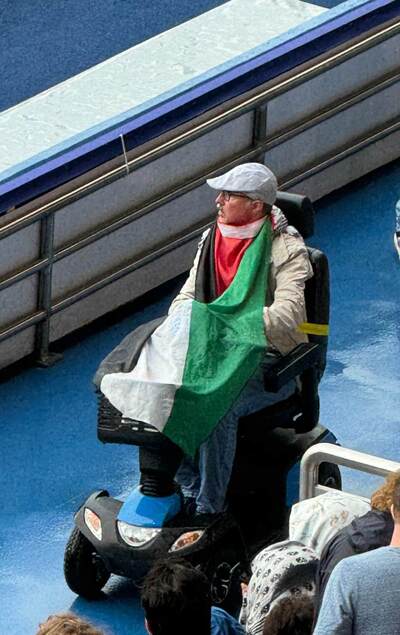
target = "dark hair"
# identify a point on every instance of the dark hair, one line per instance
(290, 616)
(176, 599)
(299, 575)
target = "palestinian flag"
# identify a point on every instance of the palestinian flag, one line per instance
(194, 365)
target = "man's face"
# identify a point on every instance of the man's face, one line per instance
(235, 208)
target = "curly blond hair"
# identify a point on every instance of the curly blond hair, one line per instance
(67, 624)
(382, 498)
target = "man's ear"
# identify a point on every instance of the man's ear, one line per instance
(147, 626)
(258, 207)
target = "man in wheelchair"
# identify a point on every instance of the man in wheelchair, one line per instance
(230, 362)
(249, 272)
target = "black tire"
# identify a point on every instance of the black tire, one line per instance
(329, 475)
(84, 571)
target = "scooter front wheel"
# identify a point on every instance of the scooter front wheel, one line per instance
(224, 572)
(84, 571)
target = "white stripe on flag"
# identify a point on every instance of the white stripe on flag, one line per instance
(147, 392)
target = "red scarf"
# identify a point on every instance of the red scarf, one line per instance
(231, 241)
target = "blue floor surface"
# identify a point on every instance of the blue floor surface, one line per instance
(51, 460)
(361, 388)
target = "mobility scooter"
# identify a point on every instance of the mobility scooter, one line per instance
(126, 537)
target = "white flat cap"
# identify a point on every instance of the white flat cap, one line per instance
(253, 179)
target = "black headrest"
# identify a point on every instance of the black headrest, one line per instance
(298, 210)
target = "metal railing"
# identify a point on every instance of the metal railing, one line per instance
(329, 452)
(257, 104)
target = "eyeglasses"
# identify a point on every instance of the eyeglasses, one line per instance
(227, 195)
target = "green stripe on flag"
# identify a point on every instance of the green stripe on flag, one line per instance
(226, 344)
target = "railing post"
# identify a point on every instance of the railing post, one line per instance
(42, 337)
(260, 129)
(337, 454)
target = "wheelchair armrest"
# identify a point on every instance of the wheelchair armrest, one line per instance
(278, 370)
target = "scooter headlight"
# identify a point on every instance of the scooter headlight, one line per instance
(187, 539)
(93, 522)
(136, 536)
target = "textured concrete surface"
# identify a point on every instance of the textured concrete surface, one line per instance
(44, 43)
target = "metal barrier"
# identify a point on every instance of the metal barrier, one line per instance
(257, 105)
(329, 452)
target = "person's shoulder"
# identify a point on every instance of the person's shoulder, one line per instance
(381, 553)
(371, 530)
(205, 233)
(222, 623)
(203, 238)
(286, 246)
(361, 563)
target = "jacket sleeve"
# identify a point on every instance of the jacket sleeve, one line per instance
(290, 271)
(336, 550)
(188, 289)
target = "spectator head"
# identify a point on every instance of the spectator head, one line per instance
(291, 615)
(67, 624)
(395, 508)
(247, 192)
(382, 499)
(176, 599)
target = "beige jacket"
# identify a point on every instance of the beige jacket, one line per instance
(285, 309)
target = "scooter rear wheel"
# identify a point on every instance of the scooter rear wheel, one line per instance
(329, 475)
(84, 571)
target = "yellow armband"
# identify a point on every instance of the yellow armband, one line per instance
(313, 329)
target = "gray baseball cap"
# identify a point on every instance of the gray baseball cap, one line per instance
(253, 179)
